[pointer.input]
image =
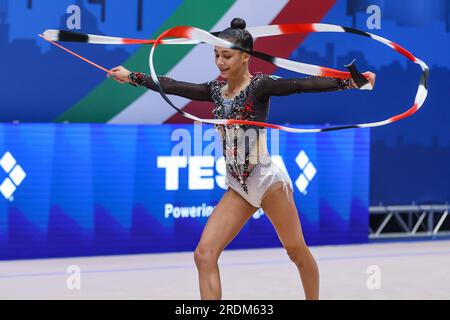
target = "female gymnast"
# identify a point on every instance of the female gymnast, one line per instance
(251, 184)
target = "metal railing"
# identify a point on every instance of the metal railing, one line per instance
(409, 221)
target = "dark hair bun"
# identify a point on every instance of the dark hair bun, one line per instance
(238, 23)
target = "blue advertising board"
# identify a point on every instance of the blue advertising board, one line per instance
(97, 189)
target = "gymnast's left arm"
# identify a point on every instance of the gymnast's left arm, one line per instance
(277, 86)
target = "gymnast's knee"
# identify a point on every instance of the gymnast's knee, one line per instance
(205, 257)
(298, 254)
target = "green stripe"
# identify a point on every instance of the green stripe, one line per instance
(110, 98)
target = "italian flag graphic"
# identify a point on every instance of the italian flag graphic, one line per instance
(111, 103)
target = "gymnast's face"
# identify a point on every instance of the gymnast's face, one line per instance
(231, 62)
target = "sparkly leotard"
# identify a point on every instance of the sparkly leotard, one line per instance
(250, 170)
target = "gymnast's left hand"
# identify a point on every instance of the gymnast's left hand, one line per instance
(369, 76)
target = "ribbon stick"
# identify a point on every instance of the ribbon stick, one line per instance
(76, 55)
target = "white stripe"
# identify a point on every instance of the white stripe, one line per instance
(198, 65)
(367, 86)
(375, 124)
(180, 41)
(422, 64)
(323, 27)
(51, 34)
(266, 31)
(298, 66)
(383, 40)
(421, 96)
(207, 37)
(104, 39)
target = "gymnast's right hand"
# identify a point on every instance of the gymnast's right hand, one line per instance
(120, 74)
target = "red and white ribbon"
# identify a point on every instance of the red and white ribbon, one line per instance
(191, 35)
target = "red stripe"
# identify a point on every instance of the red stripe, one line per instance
(296, 11)
(333, 73)
(404, 52)
(136, 41)
(254, 123)
(295, 28)
(405, 114)
(179, 32)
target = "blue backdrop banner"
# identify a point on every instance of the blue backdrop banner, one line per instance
(95, 189)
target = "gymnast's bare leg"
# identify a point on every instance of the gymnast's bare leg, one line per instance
(284, 217)
(226, 220)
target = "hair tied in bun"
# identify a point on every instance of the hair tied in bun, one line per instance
(238, 23)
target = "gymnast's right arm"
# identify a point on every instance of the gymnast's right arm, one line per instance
(188, 90)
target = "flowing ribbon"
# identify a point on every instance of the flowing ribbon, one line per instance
(191, 35)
